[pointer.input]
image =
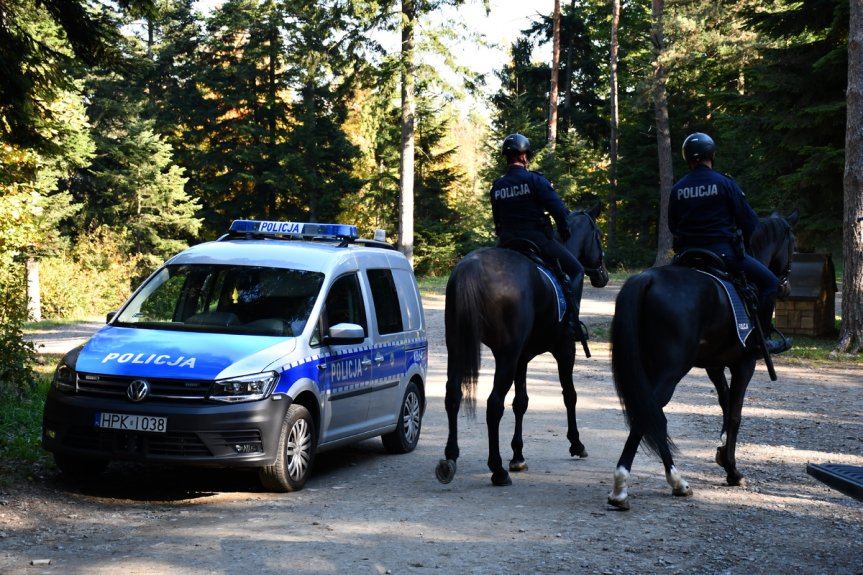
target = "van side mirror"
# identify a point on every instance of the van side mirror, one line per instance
(344, 334)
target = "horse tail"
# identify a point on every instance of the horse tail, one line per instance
(636, 394)
(463, 318)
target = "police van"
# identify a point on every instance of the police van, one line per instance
(273, 343)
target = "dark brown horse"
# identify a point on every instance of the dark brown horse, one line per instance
(502, 298)
(668, 320)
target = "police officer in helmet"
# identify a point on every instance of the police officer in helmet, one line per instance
(521, 203)
(706, 209)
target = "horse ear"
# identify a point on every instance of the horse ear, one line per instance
(793, 218)
(595, 210)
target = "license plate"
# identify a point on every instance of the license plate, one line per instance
(132, 422)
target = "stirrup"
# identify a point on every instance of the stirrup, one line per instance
(578, 331)
(780, 345)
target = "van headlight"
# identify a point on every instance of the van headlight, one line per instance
(244, 388)
(65, 378)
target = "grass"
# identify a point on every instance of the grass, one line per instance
(21, 454)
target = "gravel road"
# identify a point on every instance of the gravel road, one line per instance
(365, 512)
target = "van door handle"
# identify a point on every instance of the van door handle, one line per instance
(379, 359)
(366, 362)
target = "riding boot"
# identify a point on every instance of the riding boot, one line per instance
(774, 346)
(576, 328)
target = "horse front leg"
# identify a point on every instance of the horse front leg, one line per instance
(503, 378)
(565, 362)
(519, 408)
(726, 456)
(446, 468)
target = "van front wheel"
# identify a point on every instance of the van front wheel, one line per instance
(293, 464)
(407, 433)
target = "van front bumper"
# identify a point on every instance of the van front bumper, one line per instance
(208, 434)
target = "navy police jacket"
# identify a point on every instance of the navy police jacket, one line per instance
(520, 200)
(706, 207)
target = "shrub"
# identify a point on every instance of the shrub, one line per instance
(94, 277)
(17, 355)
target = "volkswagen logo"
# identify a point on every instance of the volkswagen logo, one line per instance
(138, 390)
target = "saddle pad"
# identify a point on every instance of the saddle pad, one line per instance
(741, 318)
(558, 290)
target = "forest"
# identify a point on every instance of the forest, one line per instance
(132, 128)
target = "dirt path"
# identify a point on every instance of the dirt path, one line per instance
(367, 512)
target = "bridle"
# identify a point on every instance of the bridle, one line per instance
(597, 236)
(784, 276)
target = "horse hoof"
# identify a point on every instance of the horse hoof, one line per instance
(735, 480)
(621, 504)
(684, 491)
(445, 470)
(519, 465)
(578, 451)
(500, 479)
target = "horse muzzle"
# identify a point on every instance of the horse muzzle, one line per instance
(598, 277)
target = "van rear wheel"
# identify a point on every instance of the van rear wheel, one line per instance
(293, 464)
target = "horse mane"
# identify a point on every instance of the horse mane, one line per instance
(770, 230)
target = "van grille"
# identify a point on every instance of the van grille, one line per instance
(172, 444)
(160, 389)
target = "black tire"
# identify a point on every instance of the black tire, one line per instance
(297, 443)
(407, 433)
(78, 467)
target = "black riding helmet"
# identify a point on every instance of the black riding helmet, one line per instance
(515, 144)
(698, 146)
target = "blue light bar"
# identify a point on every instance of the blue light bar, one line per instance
(335, 231)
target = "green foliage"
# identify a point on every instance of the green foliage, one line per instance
(16, 354)
(92, 278)
(21, 425)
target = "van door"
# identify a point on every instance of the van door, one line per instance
(344, 369)
(388, 355)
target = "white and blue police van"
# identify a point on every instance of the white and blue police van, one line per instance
(273, 343)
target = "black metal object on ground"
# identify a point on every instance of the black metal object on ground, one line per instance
(845, 478)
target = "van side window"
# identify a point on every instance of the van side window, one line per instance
(385, 295)
(344, 305)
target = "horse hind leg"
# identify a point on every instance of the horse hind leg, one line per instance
(446, 468)
(503, 379)
(679, 486)
(519, 408)
(619, 496)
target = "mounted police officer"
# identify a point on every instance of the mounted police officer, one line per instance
(706, 210)
(521, 203)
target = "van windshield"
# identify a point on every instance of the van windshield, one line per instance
(224, 299)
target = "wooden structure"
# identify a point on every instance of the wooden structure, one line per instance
(811, 308)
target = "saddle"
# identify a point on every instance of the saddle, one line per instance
(742, 295)
(551, 270)
(558, 279)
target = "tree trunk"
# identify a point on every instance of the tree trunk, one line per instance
(612, 152)
(555, 68)
(851, 334)
(663, 137)
(406, 180)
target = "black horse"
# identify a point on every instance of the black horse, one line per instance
(502, 298)
(668, 320)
